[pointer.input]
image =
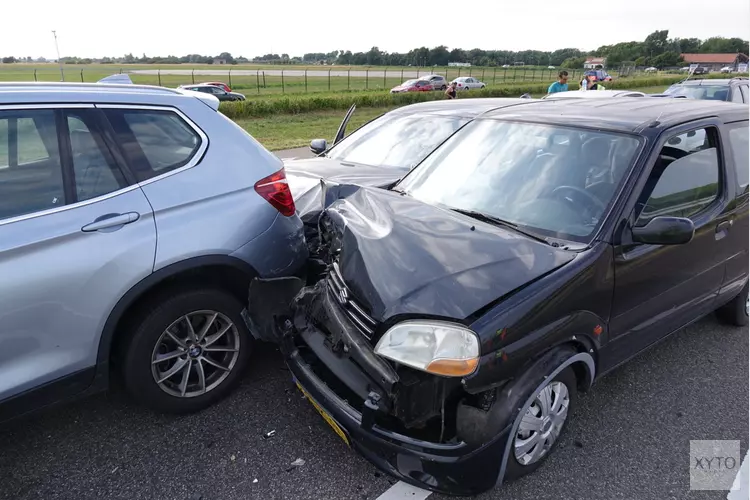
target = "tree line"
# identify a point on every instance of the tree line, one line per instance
(656, 50)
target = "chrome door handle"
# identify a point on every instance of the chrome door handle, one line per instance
(111, 221)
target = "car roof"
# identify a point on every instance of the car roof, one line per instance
(65, 92)
(619, 115)
(431, 76)
(593, 94)
(466, 108)
(709, 81)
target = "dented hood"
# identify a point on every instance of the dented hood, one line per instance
(401, 256)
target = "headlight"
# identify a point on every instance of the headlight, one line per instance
(436, 347)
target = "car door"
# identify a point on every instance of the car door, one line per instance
(659, 288)
(75, 234)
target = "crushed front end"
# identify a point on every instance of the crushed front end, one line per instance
(423, 428)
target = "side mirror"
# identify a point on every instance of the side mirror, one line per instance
(318, 146)
(665, 231)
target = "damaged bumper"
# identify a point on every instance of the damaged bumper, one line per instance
(363, 397)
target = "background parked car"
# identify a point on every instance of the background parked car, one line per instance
(219, 92)
(602, 75)
(219, 84)
(468, 83)
(651, 69)
(438, 82)
(727, 69)
(131, 223)
(413, 86)
(730, 89)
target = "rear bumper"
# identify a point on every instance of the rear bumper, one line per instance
(454, 469)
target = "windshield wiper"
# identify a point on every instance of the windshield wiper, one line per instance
(491, 219)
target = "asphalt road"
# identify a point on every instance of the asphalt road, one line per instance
(628, 438)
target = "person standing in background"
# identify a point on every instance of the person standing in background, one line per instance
(589, 82)
(561, 85)
(450, 92)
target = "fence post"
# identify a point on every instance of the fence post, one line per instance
(264, 79)
(230, 78)
(158, 74)
(367, 79)
(482, 74)
(81, 75)
(257, 80)
(459, 72)
(402, 75)
(349, 79)
(120, 70)
(470, 68)
(329, 80)
(305, 81)
(515, 70)
(35, 76)
(192, 76)
(384, 74)
(494, 74)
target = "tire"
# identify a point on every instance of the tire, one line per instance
(221, 358)
(443, 87)
(735, 312)
(516, 468)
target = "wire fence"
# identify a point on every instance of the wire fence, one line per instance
(296, 81)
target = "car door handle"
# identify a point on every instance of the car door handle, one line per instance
(111, 221)
(722, 228)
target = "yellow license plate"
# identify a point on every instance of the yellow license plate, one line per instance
(338, 430)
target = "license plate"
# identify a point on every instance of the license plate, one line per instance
(336, 428)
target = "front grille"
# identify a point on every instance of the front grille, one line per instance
(345, 299)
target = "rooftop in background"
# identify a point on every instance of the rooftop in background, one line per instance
(713, 58)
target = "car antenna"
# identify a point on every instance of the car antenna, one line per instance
(656, 122)
(690, 73)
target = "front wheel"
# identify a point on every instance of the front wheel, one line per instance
(187, 352)
(540, 427)
(735, 312)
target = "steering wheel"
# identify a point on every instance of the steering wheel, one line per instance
(587, 198)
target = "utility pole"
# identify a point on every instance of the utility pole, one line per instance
(59, 62)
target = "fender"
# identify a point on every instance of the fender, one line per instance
(144, 286)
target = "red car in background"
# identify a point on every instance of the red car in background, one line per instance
(218, 84)
(413, 86)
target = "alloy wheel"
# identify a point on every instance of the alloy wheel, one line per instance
(542, 423)
(195, 354)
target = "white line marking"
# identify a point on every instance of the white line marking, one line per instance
(740, 488)
(404, 491)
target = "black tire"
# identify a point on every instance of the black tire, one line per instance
(515, 469)
(735, 312)
(443, 87)
(146, 332)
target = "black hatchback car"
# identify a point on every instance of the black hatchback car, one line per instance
(448, 322)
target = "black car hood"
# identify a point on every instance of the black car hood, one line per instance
(399, 256)
(304, 177)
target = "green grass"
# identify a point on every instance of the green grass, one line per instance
(292, 131)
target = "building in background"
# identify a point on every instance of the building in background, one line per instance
(714, 62)
(594, 62)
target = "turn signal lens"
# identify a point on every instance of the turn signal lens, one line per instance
(275, 190)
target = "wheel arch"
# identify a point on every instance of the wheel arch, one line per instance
(224, 271)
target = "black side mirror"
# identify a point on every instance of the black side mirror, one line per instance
(318, 146)
(665, 231)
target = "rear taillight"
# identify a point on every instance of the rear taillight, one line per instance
(275, 190)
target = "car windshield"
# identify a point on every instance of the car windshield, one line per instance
(548, 180)
(409, 82)
(396, 140)
(710, 92)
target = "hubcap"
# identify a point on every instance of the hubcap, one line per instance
(195, 354)
(541, 424)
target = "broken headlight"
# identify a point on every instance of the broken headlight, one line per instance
(436, 347)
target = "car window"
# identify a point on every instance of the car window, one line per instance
(739, 142)
(216, 90)
(31, 177)
(93, 168)
(744, 90)
(710, 92)
(737, 95)
(396, 141)
(685, 178)
(161, 138)
(555, 181)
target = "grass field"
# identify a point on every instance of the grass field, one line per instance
(293, 131)
(261, 84)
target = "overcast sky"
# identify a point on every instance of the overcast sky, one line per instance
(96, 28)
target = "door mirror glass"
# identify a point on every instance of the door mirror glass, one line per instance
(665, 231)
(318, 146)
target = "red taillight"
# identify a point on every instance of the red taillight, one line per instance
(275, 190)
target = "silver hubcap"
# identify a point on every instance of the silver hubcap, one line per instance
(542, 423)
(195, 354)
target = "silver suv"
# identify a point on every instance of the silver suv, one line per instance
(132, 219)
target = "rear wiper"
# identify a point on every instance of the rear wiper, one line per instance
(491, 219)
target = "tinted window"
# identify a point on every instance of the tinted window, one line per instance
(396, 141)
(685, 178)
(739, 141)
(154, 142)
(555, 181)
(30, 170)
(95, 172)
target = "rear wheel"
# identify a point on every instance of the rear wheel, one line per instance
(187, 352)
(735, 312)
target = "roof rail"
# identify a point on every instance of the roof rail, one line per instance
(99, 87)
(738, 78)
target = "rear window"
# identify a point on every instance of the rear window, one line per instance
(708, 92)
(154, 141)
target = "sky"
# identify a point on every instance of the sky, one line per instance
(87, 28)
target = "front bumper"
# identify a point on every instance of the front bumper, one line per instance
(339, 387)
